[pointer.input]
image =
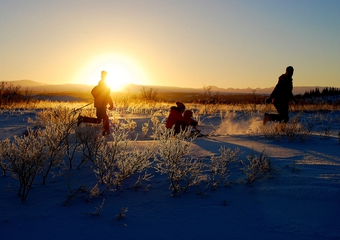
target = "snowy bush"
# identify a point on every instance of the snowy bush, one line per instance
(3, 160)
(145, 129)
(158, 127)
(291, 131)
(118, 161)
(25, 156)
(91, 142)
(56, 127)
(72, 146)
(219, 166)
(182, 171)
(257, 168)
(128, 125)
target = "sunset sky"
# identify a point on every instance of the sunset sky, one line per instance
(185, 43)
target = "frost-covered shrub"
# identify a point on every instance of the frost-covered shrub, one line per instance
(56, 126)
(54, 137)
(3, 167)
(219, 166)
(127, 125)
(3, 160)
(257, 168)
(291, 131)
(72, 147)
(91, 142)
(57, 115)
(158, 126)
(120, 160)
(171, 159)
(145, 129)
(25, 156)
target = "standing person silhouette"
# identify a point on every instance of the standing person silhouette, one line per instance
(102, 98)
(280, 97)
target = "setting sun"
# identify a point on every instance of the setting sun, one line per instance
(118, 76)
(121, 71)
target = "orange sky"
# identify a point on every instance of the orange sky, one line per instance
(190, 43)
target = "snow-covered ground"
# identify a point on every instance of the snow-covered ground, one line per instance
(301, 199)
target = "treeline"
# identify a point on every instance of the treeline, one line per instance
(328, 91)
(10, 94)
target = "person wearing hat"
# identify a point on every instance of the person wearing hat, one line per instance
(280, 97)
(102, 98)
(176, 120)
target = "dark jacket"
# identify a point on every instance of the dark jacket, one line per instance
(101, 94)
(283, 91)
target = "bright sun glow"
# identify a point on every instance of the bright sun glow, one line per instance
(121, 71)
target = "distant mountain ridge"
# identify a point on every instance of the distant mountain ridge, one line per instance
(53, 88)
(133, 88)
(26, 82)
